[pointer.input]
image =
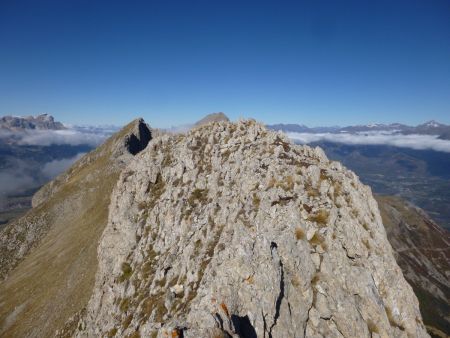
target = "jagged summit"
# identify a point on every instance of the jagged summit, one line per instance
(214, 117)
(232, 231)
(38, 122)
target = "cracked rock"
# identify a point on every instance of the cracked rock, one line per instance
(224, 206)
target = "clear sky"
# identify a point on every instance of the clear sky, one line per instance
(313, 62)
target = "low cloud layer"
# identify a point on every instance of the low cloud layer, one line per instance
(19, 177)
(56, 167)
(49, 137)
(418, 142)
(22, 172)
(12, 181)
(92, 136)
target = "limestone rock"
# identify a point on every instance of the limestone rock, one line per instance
(39, 122)
(257, 236)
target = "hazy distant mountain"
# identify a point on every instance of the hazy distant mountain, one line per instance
(427, 128)
(214, 117)
(39, 122)
(301, 128)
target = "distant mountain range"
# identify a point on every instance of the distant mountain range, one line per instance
(428, 128)
(39, 122)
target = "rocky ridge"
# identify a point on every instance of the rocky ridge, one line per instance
(48, 258)
(231, 230)
(39, 122)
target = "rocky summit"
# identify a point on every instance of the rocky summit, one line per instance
(231, 230)
(39, 122)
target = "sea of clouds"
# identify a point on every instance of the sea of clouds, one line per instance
(20, 175)
(413, 141)
(76, 135)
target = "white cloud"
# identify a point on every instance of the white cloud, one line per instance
(56, 167)
(76, 135)
(414, 141)
(49, 137)
(12, 182)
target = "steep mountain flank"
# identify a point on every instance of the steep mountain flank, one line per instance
(422, 249)
(233, 231)
(49, 256)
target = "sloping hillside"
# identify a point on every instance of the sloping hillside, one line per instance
(422, 249)
(49, 256)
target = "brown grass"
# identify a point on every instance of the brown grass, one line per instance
(318, 239)
(337, 190)
(111, 333)
(256, 201)
(299, 233)
(124, 304)
(321, 217)
(127, 321)
(312, 192)
(127, 271)
(198, 196)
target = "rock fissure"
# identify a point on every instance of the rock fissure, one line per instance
(275, 255)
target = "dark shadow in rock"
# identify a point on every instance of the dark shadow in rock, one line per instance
(243, 327)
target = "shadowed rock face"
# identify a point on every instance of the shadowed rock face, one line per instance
(422, 249)
(136, 142)
(231, 230)
(49, 256)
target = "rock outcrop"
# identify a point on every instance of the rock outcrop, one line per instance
(422, 250)
(39, 122)
(49, 256)
(233, 231)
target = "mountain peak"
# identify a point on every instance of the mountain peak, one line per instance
(214, 117)
(232, 230)
(432, 124)
(38, 122)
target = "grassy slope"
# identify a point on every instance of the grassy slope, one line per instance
(55, 280)
(412, 236)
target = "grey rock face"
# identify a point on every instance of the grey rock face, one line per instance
(39, 122)
(233, 231)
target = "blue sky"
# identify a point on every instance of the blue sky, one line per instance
(313, 62)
